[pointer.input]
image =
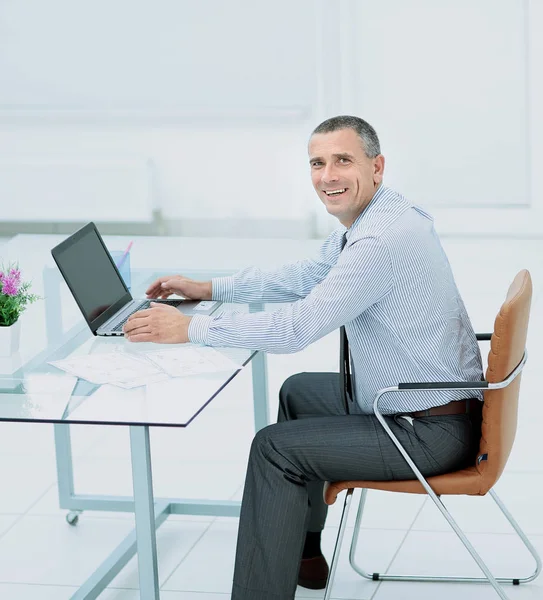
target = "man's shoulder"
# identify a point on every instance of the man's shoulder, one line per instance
(403, 205)
(388, 213)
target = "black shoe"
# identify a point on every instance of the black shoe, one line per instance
(313, 573)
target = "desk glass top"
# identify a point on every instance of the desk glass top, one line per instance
(53, 329)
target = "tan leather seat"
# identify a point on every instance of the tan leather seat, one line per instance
(500, 408)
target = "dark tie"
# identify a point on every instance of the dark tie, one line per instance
(344, 366)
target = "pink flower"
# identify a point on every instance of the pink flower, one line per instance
(9, 286)
(16, 276)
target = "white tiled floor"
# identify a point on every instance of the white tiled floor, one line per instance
(42, 558)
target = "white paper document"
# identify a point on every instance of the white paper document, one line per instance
(127, 370)
(191, 360)
(118, 368)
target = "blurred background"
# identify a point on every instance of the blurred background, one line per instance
(172, 117)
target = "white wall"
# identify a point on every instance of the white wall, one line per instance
(452, 88)
(257, 171)
(217, 97)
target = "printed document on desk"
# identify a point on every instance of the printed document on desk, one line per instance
(191, 360)
(118, 368)
(127, 370)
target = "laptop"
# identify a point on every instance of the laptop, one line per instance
(99, 289)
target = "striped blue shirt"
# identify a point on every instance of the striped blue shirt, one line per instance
(393, 289)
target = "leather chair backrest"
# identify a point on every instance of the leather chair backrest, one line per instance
(501, 406)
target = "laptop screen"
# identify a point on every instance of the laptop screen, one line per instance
(91, 275)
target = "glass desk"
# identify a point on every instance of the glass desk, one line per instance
(32, 390)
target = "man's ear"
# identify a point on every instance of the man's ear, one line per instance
(378, 168)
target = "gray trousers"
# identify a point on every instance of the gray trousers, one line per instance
(315, 441)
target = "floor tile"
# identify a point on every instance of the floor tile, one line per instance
(430, 553)
(68, 555)
(174, 542)
(217, 547)
(455, 591)
(9, 591)
(21, 591)
(6, 522)
(24, 480)
(114, 594)
(375, 551)
(48, 551)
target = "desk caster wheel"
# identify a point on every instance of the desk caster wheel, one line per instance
(72, 518)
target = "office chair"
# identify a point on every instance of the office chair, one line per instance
(506, 360)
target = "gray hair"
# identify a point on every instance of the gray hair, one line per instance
(366, 133)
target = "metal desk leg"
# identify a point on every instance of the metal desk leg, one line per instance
(65, 472)
(260, 391)
(53, 306)
(259, 366)
(140, 451)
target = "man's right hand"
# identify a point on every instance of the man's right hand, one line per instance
(165, 286)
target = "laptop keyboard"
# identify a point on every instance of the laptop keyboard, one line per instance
(142, 306)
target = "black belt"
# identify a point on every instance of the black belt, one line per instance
(456, 407)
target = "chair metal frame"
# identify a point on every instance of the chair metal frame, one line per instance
(489, 578)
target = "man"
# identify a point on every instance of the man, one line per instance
(384, 276)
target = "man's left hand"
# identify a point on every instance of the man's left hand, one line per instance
(161, 324)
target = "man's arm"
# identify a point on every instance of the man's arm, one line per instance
(288, 283)
(362, 276)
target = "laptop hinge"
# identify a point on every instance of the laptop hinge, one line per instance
(118, 316)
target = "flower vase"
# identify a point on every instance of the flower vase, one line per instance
(9, 339)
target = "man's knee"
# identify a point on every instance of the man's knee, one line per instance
(292, 386)
(266, 444)
(272, 440)
(262, 441)
(271, 447)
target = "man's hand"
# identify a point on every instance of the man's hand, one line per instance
(161, 324)
(165, 286)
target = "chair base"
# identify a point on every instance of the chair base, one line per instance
(435, 579)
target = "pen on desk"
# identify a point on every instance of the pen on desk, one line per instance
(123, 257)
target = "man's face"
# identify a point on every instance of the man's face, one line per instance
(343, 176)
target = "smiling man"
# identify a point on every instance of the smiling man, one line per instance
(383, 277)
(345, 174)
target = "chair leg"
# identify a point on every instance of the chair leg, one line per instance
(437, 501)
(356, 536)
(390, 577)
(339, 541)
(523, 537)
(438, 579)
(469, 547)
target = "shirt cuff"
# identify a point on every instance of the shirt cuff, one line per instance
(199, 329)
(222, 288)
